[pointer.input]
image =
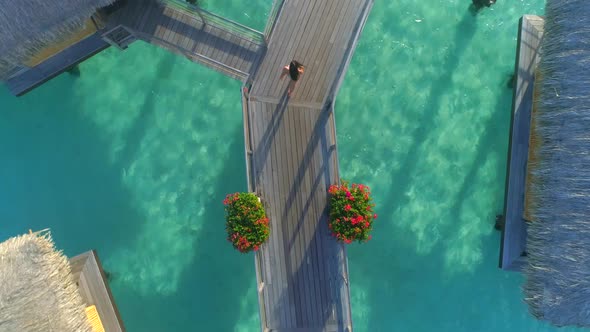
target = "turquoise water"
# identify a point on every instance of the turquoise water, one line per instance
(134, 157)
(253, 14)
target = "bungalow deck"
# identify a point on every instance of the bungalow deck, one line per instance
(196, 34)
(200, 36)
(28, 80)
(513, 241)
(302, 272)
(94, 288)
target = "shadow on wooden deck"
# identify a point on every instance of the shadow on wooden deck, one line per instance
(206, 36)
(334, 282)
(263, 149)
(336, 278)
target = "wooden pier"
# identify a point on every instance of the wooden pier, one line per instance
(93, 286)
(292, 159)
(513, 242)
(203, 37)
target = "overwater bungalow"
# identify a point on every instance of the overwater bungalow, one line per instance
(42, 290)
(40, 40)
(548, 185)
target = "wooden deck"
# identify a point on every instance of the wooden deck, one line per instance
(292, 159)
(513, 242)
(200, 36)
(220, 44)
(56, 64)
(91, 280)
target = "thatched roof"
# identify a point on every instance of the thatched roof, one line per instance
(557, 287)
(37, 290)
(26, 26)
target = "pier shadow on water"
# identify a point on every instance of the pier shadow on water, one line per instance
(55, 173)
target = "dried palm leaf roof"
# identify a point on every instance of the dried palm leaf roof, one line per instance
(26, 26)
(557, 286)
(37, 292)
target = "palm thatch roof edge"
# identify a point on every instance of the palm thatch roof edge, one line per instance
(37, 292)
(557, 286)
(27, 26)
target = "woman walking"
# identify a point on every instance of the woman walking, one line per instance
(295, 70)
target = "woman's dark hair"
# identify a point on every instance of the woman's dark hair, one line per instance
(293, 70)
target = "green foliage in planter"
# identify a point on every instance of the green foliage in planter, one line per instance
(245, 221)
(351, 212)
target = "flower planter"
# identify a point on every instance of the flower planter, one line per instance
(245, 221)
(351, 213)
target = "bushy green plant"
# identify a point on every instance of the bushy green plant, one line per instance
(351, 212)
(245, 221)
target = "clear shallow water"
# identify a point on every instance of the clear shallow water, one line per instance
(249, 13)
(134, 157)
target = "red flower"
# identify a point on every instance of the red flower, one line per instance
(375, 216)
(345, 226)
(333, 189)
(246, 222)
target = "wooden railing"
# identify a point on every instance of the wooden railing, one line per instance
(239, 30)
(277, 5)
(203, 59)
(259, 263)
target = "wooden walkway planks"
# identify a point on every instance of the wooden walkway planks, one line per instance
(92, 284)
(304, 269)
(291, 160)
(513, 242)
(317, 34)
(183, 31)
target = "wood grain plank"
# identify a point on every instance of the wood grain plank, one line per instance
(173, 26)
(274, 46)
(291, 51)
(294, 241)
(193, 36)
(282, 52)
(218, 44)
(324, 239)
(322, 235)
(237, 45)
(317, 66)
(311, 33)
(513, 241)
(181, 30)
(323, 54)
(304, 145)
(95, 290)
(274, 191)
